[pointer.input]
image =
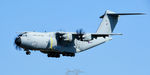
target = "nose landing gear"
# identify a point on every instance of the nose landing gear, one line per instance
(28, 52)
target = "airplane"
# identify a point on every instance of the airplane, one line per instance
(55, 44)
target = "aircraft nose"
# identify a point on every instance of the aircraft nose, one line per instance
(18, 41)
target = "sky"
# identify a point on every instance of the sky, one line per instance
(128, 54)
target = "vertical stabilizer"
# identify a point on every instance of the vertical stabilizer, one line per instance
(108, 23)
(110, 20)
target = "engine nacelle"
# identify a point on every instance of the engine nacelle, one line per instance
(87, 37)
(67, 37)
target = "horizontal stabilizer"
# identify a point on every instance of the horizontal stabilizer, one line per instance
(123, 14)
(126, 13)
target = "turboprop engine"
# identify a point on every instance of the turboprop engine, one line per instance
(67, 37)
(87, 37)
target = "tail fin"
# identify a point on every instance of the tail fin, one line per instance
(110, 20)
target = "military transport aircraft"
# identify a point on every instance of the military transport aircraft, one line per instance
(55, 44)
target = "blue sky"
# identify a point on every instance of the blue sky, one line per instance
(128, 54)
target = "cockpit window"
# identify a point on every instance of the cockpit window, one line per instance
(23, 34)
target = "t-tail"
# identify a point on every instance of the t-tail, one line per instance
(110, 20)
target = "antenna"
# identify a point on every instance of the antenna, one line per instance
(44, 26)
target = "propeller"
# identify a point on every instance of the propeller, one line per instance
(58, 36)
(80, 34)
(17, 41)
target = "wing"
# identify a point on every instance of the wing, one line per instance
(69, 36)
(99, 35)
(91, 36)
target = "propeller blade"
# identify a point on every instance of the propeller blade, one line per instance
(80, 34)
(17, 42)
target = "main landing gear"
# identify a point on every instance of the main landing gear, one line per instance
(57, 54)
(68, 54)
(53, 54)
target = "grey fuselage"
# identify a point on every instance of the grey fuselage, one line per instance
(47, 42)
